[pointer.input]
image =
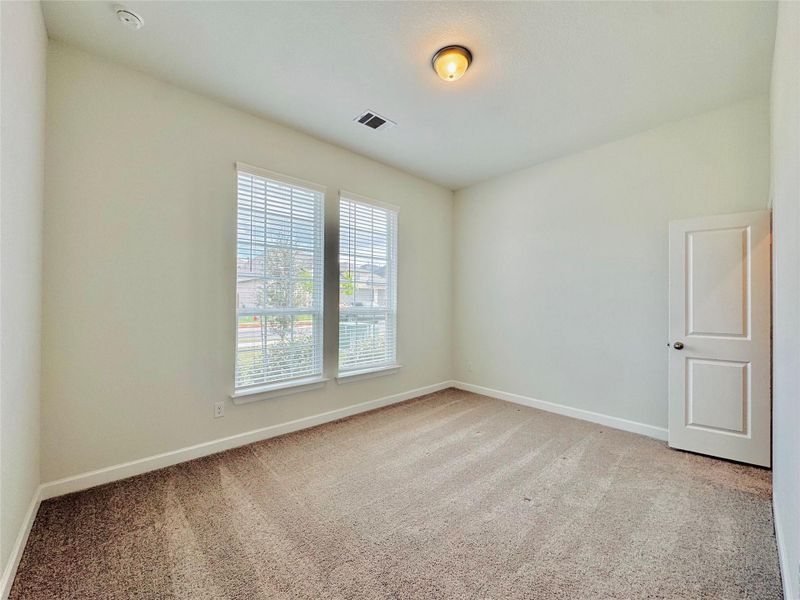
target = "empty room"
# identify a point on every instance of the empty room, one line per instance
(399, 300)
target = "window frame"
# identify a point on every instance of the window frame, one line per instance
(258, 391)
(374, 369)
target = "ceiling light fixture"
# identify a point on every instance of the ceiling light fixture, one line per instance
(451, 62)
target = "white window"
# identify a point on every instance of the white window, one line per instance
(279, 274)
(367, 285)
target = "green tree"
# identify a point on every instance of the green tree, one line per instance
(347, 286)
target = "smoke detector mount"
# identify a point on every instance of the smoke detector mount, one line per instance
(128, 18)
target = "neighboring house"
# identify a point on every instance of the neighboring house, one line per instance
(370, 293)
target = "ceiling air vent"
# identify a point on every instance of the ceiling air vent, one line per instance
(373, 120)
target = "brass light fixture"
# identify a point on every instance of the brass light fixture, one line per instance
(451, 62)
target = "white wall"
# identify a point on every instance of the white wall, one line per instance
(23, 44)
(785, 97)
(561, 269)
(140, 266)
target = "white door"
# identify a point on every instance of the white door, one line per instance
(719, 327)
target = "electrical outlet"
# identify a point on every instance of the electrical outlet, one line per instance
(219, 410)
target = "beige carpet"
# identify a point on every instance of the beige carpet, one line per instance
(452, 495)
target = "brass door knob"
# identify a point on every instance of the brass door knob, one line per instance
(678, 345)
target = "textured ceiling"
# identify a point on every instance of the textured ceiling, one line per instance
(548, 78)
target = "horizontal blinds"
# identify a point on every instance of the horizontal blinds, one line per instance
(279, 274)
(367, 285)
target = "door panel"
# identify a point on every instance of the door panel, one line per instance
(719, 369)
(718, 395)
(718, 282)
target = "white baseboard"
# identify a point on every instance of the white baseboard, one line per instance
(10, 570)
(659, 433)
(159, 461)
(783, 557)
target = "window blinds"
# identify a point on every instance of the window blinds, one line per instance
(367, 285)
(279, 275)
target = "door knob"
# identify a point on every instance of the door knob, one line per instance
(678, 345)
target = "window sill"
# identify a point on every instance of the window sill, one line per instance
(367, 373)
(273, 390)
